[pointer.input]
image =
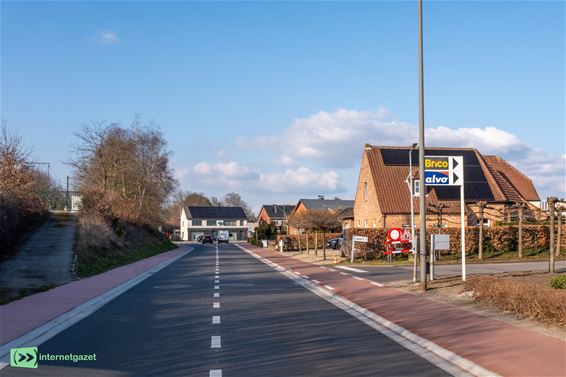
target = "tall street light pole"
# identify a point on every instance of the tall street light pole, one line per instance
(422, 186)
(412, 193)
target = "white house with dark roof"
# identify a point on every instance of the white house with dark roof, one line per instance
(200, 221)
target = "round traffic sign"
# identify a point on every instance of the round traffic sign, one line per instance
(395, 234)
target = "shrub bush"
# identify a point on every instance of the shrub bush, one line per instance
(558, 282)
(529, 296)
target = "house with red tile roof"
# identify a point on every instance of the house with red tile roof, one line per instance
(383, 193)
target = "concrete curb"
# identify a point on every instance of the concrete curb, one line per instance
(48, 330)
(439, 356)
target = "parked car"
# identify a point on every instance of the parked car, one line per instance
(207, 239)
(334, 243)
(199, 238)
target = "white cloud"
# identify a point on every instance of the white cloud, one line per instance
(335, 140)
(301, 180)
(230, 169)
(235, 176)
(106, 37)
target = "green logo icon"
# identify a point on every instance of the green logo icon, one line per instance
(24, 357)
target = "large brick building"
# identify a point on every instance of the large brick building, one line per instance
(383, 194)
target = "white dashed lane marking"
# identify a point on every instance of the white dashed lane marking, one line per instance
(343, 273)
(328, 287)
(316, 281)
(215, 373)
(353, 269)
(215, 305)
(306, 276)
(215, 319)
(358, 278)
(377, 284)
(216, 287)
(215, 342)
(216, 294)
(216, 281)
(331, 269)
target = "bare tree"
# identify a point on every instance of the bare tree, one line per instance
(323, 220)
(235, 200)
(123, 172)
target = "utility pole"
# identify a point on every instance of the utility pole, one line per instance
(481, 205)
(551, 203)
(521, 207)
(422, 187)
(67, 196)
(411, 192)
(559, 235)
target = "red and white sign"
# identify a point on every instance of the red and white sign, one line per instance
(395, 234)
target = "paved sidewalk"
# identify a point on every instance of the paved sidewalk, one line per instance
(495, 345)
(22, 316)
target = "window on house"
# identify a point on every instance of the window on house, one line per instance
(210, 222)
(365, 191)
(197, 222)
(230, 222)
(417, 188)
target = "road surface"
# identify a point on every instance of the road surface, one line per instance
(234, 317)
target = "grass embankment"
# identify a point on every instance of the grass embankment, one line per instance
(102, 247)
(530, 296)
(92, 262)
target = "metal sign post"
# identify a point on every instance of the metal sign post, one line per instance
(449, 171)
(358, 239)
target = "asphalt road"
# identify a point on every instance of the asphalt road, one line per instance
(268, 326)
(384, 274)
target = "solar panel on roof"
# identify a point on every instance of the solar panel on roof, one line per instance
(476, 185)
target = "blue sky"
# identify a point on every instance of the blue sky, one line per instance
(276, 99)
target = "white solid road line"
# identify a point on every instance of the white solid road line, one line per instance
(329, 287)
(215, 319)
(215, 342)
(215, 305)
(216, 294)
(216, 287)
(352, 269)
(315, 281)
(443, 358)
(215, 373)
(376, 283)
(48, 330)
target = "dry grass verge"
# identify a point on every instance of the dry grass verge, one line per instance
(103, 245)
(529, 296)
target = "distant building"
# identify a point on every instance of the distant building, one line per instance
(276, 214)
(304, 205)
(199, 221)
(346, 216)
(383, 193)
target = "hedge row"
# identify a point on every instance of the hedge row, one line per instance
(292, 241)
(496, 239)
